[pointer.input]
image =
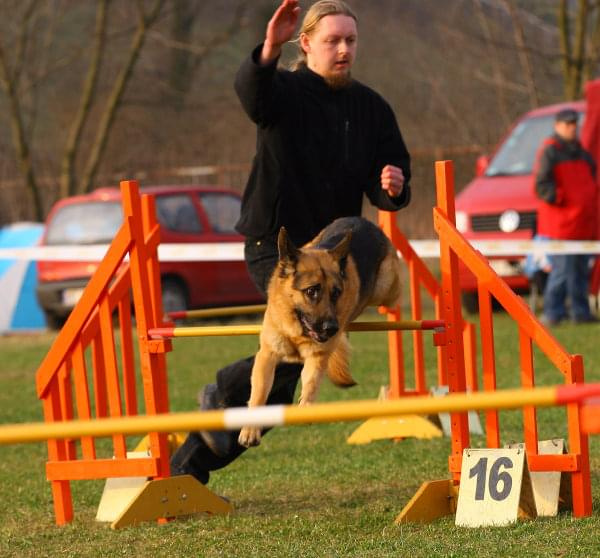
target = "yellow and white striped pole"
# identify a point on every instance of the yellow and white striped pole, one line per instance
(277, 415)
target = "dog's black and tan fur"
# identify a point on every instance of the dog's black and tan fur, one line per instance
(314, 293)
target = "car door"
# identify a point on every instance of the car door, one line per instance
(181, 222)
(222, 211)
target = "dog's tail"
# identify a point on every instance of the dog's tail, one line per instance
(338, 365)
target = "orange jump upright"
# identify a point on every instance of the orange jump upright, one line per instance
(88, 373)
(419, 276)
(453, 247)
(400, 382)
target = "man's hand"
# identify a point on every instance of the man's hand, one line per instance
(280, 30)
(392, 180)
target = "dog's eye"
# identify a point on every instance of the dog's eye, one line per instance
(335, 294)
(313, 291)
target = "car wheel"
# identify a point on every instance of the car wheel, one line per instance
(470, 302)
(53, 321)
(174, 296)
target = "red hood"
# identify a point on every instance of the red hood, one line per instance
(494, 194)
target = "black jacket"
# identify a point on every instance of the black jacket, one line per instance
(318, 151)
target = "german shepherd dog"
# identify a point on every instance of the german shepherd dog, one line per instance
(313, 294)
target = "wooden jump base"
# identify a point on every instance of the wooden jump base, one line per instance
(437, 326)
(288, 415)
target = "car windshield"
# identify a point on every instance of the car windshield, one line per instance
(517, 154)
(85, 223)
(222, 210)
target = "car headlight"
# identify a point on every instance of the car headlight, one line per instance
(462, 221)
(509, 221)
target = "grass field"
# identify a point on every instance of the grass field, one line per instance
(304, 491)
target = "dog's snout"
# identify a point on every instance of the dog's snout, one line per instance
(330, 327)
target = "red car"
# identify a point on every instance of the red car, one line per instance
(499, 203)
(187, 214)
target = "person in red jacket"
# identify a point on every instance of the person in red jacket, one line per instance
(565, 185)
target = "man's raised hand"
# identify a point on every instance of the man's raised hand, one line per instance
(280, 30)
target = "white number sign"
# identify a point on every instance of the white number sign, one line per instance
(495, 488)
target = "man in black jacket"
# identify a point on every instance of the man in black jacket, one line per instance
(323, 141)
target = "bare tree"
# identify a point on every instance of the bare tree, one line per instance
(574, 44)
(12, 71)
(144, 23)
(495, 61)
(10, 78)
(73, 144)
(523, 52)
(186, 53)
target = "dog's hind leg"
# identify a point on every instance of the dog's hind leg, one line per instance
(388, 287)
(261, 382)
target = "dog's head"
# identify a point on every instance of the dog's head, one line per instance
(312, 282)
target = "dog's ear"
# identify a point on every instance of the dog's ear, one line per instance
(341, 250)
(288, 253)
(287, 250)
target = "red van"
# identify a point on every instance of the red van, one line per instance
(499, 203)
(187, 214)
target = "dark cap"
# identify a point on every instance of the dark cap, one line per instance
(567, 115)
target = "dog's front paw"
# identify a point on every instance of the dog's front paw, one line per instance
(303, 401)
(249, 436)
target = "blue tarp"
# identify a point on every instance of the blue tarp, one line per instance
(19, 310)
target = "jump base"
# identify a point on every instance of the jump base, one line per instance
(165, 499)
(382, 428)
(433, 500)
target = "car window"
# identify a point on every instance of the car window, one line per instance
(517, 154)
(85, 223)
(177, 213)
(222, 210)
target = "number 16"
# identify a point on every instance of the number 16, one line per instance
(496, 477)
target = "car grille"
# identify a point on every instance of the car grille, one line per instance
(486, 223)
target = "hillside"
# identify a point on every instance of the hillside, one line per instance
(450, 70)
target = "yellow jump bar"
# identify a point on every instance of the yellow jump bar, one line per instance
(274, 415)
(254, 329)
(218, 312)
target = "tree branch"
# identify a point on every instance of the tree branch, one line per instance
(67, 175)
(565, 43)
(579, 51)
(144, 22)
(494, 61)
(19, 136)
(523, 51)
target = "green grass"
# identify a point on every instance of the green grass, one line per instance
(304, 491)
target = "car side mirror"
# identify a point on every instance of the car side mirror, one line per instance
(481, 164)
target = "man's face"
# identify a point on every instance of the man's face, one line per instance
(331, 48)
(566, 130)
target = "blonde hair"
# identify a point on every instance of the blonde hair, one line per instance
(312, 18)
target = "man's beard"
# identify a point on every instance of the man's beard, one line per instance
(337, 80)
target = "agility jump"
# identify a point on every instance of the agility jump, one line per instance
(69, 389)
